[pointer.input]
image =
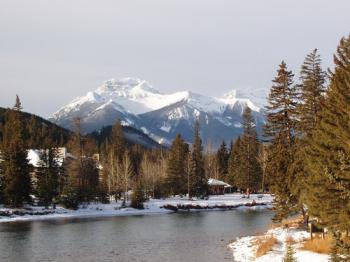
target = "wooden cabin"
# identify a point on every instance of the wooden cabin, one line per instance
(217, 187)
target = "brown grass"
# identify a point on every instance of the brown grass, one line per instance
(264, 244)
(318, 245)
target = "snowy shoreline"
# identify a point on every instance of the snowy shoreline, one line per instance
(244, 249)
(152, 207)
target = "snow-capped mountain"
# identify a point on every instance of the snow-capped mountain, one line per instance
(161, 116)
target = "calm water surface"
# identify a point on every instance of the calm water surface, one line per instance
(180, 237)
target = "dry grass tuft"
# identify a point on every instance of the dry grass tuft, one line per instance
(318, 245)
(264, 244)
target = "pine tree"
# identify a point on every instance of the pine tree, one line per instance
(72, 193)
(311, 96)
(311, 92)
(327, 155)
(47, 175)
(198, 182)
(222, 157)
(290, 253)
(280, 130)
(340, 251)
(234, 163)
(249, 176)
(138, 196)
(176, 180)
(15, 167)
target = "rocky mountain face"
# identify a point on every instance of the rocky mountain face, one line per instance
(160, 116)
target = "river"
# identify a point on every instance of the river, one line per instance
(179, 237)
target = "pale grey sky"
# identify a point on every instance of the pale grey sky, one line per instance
(54, 50)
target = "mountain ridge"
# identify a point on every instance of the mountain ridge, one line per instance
(136, 103)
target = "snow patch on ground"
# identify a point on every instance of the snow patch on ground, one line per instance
(244, 250)
(153, 206)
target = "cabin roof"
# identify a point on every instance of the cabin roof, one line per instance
(215, 182)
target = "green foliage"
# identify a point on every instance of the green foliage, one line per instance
(70, 197)
(250, 173)
(328, 150)
(340, 249)
(280, 129)
(138, 196)
(290, 253)
(198, 182)
(36, 130)
(176, 179)
(47, 174)
(245, 171)
(81, 169)
(222, 157)
(16, 181)
(234, 162)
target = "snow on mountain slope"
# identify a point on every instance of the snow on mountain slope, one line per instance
(161, 116)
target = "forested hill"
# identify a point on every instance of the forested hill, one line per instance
(37, 129)
(132, 136)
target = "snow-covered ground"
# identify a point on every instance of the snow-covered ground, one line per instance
(244, 250)
(153, 206)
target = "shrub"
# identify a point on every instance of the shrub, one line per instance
(318, 245)
(264, 244)
(289, 255)
(138, 197)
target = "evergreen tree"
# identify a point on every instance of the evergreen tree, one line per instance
(234, 163)
(290, 253)
(176, 180)
(222, 157)
(311, 92)
(280, 130)
(249, 176)
(327, 155)
(15, 167)
(311, 95)
(72, 193)
(198, 182)
(340, 251)
(48, 176)
(138, 196)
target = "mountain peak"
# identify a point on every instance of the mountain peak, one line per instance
(126, 84)
(232, 94)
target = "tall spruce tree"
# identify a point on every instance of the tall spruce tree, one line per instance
(328, 151)
(15, 167)
(234, 163)
(311, 95)
(311, 92)
(280, 130)
(176, 180)
(249, 177)
(72, 193)
(222, 157)
(47, 175)
(198, 181)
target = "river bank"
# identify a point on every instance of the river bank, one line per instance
(153, 206)
(246, 248)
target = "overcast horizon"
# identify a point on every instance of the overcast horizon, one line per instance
(54, 51)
